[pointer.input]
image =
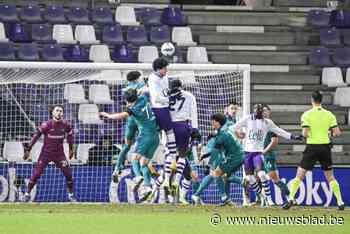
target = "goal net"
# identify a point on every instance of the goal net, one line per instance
(27, 90)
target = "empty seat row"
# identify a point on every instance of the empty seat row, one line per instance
(334, 37)
(125, 15)
(321, 57)
(336, 18)
(98, 94)
(96, 53)
(85, 34)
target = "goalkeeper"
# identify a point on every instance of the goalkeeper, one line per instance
(54, 131)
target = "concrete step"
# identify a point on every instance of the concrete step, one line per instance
(300, 3)
(286, 97)
(294, 117)
(268, 38)
(264, 57)
(283, 78)
(257, 48)
(241, 18)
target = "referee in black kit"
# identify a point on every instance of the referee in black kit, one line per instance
(316, 124)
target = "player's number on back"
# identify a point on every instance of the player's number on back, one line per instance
(173, 102)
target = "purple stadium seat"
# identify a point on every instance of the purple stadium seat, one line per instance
(7, 52)
(55, 14)
(102, 15)
(19, 32)
(136, 35)
(340, 19)
(346, 36)
(42, 33)
(330, 37)
(76, 53)
(112, 34)
(320, 57)
(28, 52)
(78, 15)
(52, 52)
(150, 16)
(173, 16)
(31, 13)
(318, 18)
(159, 35)
(123, 54)
(8, 13)
(341, 57)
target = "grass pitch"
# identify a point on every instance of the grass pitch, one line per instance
(166, 219)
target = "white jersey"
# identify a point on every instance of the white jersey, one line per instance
(183, 107)
(256, 131)
(158, 87)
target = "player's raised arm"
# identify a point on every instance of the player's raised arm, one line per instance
(281, 132)
(239, 125)
(116, 116)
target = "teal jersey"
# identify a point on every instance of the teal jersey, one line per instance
(215, 158)
(143, 114)
(272, 153)
(226, 144)
(134, 85)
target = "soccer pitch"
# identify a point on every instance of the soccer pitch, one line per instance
(111, 218)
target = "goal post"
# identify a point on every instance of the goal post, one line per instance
(27, 89)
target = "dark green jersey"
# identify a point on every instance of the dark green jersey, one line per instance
(227, 145)
(143, 114)
(272, 153)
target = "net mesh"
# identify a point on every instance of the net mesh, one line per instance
(26, 95)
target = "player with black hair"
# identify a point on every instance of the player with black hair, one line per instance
(147, 140)
(257, 128)
(130, 129)
(229, 148)
(158, 84)
(55, 131)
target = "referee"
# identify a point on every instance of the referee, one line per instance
(316, 124)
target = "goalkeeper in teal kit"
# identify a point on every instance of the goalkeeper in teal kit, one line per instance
(130, 129)
(147, 140)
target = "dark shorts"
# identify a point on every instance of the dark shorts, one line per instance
(163, 118)
(313, 153)
(182, 131)
(45, 158)
(253, 161)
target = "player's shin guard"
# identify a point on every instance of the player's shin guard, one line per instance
(185, 187)
(204, 184)
(167, 166)
(283, 187)
(254, 185)
(336, 190)
(146, 175)
(171, 143)
(136, 167)
(180, 166)
(122, 157)
(265, 185)
(221, 186)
